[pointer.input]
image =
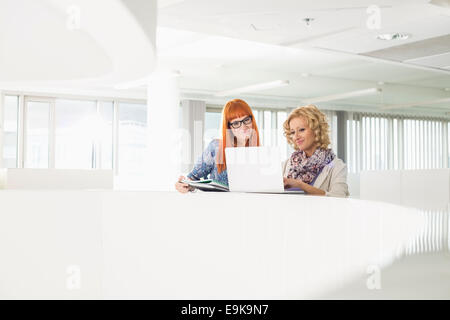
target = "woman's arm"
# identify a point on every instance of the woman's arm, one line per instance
(294, 183)
(205, 163)
(202, 168)
(338, 183)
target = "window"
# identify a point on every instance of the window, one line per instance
(132, 138)
(212, 126)
(105, 144)
(381, 142)
(76, 135)
(10, 134)
(84, 134)
(268, 128)
(446, 128)
(37, 134)
(272, 132)
(331, 117)
(285, 149)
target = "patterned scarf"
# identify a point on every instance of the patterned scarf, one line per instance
(307, 169)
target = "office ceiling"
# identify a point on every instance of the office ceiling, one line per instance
(217, 48)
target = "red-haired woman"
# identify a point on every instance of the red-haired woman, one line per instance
(239, 129)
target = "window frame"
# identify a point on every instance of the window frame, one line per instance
(51, 128)
(3, 96)
(26, 97)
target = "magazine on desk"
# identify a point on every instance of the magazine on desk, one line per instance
(207, 185)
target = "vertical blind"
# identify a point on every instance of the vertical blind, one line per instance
(433, 235)
(331, 117)
(382, 142)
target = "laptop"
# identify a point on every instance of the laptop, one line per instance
(256, 169)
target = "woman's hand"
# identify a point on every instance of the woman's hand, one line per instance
(292, 183)
(182, 187)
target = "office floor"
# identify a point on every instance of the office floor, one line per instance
(422, 276)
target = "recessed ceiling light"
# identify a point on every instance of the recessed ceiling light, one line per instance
(308, 21)
(393, 36)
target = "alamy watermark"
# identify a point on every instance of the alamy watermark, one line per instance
(373, 281)
(73, 21)
(73, 280)
(374, 20)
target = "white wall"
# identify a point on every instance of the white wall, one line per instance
(423, 189)
(427, 190)
(353, 184)
(56, 179)
(156, 245)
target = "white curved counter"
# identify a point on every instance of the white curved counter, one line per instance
(165, 245)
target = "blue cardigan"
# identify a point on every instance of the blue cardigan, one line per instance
(206, 167)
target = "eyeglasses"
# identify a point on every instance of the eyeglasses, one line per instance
(237, 124)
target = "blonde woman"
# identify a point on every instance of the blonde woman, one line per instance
(313, 166)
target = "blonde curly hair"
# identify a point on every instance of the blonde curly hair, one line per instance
(317, 122)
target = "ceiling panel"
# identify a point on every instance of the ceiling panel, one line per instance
(414, 51)
(436, 61)
(209, 64)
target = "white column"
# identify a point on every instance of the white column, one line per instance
(193, 125)
(163, 164)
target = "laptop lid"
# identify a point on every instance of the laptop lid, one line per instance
(254, 169)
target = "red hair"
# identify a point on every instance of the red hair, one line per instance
(234, 109)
